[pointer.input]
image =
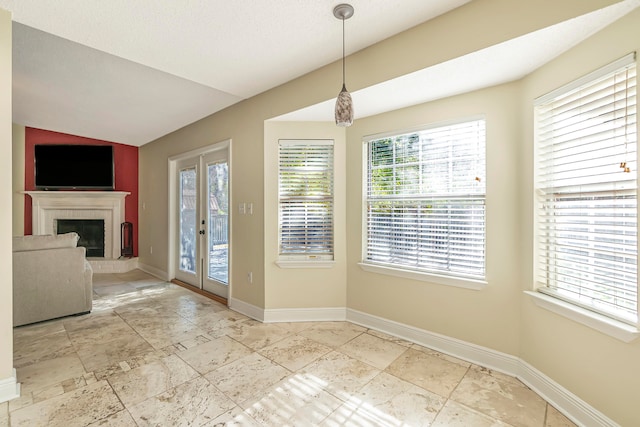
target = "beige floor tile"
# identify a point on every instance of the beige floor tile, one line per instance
(31, 333)
(151, 379)
(339, 374)
(97, 327)
(294, 401)
(161, 332)
(257, 335)
(443, 356)
(214, 322)
(557, 419)
(296, 327)
(236, 417)
(333, 334)
(246, 377)
(66, 366)
(100, 355)
(375, 351)
(501, 397)
(159, 327)
(4, 414)
(193, 309)
(78, 408)
(387, 400)
(194, 403)
(27, 351)
(388, 337)
(206, 357)
(456, 415)
(295, 352)
(432, 373)
(119, 419)
(50, 372)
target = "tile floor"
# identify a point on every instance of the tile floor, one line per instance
(154, 354)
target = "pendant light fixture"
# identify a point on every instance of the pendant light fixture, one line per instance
(344, 103)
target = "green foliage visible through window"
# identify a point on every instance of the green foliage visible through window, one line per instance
(426, 200)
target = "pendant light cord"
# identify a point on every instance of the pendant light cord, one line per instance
(343, 74)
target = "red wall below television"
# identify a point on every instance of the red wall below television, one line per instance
(126, 172)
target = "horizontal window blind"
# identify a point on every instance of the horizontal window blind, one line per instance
(305, 186)
(586, 179)
(426, 200)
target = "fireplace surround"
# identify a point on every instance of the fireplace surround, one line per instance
(50, 206)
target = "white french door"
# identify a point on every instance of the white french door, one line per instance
(202, 189)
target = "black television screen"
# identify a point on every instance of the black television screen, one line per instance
(60, 167)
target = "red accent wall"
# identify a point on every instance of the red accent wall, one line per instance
(125, 163)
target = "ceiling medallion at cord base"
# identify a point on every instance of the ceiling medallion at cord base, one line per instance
(343, 11)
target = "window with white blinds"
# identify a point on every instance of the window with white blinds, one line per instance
(586, 182)
(305, 187)
(425, 196)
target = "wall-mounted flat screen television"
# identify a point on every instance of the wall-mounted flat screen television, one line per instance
(65, 167)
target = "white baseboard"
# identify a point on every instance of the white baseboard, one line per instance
(562, 399)
(247, 309)
(279, 315)
(473, 353)
(326, 314)
(9, 388)
(576, 409)
(160, 274)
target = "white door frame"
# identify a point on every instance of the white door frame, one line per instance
(173, 199)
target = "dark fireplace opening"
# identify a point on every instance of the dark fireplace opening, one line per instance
(91, 232)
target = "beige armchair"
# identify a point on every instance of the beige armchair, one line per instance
(51, 278)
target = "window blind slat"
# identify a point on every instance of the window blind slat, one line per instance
(587, 204)
(425, 200)
(305, 187)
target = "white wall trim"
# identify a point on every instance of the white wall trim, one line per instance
(566, 402)
(576, 409)
(327, 314)
(160, 274)
(473, 353)
(9, 388)
(247, 309)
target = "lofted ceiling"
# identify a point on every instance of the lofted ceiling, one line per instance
(94, 68)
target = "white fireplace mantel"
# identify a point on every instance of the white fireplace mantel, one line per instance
(49, 206)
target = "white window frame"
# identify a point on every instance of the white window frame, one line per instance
(474, 282)
(307, 259)
(545, 296)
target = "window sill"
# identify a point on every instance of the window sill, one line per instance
(425, 277)
(305, 263)
(600, 323)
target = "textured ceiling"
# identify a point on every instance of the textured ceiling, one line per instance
(94, 68)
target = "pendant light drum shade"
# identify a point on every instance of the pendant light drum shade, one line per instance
(344, 103)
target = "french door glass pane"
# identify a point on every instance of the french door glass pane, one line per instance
(218, 213)
(188, 225)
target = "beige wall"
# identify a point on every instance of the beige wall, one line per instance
(485, 23)
(488, 317)
(601, 370)
(303, 287)
(18, 179)
(6, 294)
